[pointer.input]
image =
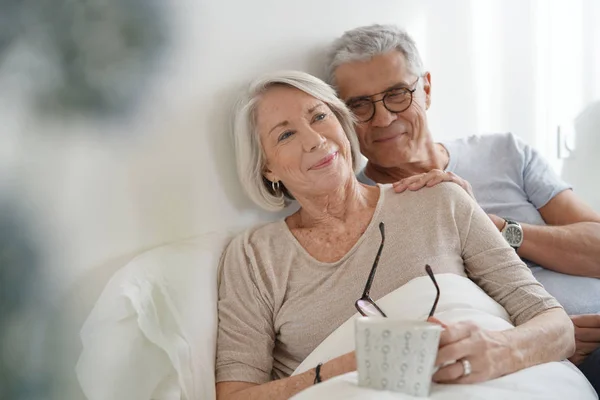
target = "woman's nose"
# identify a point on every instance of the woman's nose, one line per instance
(312, 140)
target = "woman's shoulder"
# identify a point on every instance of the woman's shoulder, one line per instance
(445, 193)
(431, 209)
(261, 235)
(258, 246)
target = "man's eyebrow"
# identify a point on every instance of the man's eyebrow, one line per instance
(400, 85)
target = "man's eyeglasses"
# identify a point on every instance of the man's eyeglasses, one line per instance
(395, 100)
(366, 306)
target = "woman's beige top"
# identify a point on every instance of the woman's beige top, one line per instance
(277, 303)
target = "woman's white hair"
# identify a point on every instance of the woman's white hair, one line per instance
(361, 44)
(249, 153)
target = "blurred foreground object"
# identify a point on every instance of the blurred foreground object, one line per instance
(91, 57)
(22, 371)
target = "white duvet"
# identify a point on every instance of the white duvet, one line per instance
(460, 299)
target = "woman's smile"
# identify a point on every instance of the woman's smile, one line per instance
(325, 161)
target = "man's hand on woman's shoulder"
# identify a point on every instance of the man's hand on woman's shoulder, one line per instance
(432, 178)
(435, 177)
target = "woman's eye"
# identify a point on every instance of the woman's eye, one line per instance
(320, 116)
(285, 135)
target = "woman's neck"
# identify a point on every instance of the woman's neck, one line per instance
(336, 207)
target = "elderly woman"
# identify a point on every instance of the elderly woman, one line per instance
(285, 286)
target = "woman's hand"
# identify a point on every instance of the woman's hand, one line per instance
(430, 179)
(488, 353)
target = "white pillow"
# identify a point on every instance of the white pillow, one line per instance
(152, 333)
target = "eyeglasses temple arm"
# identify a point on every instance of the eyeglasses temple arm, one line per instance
(374, 268)
(437, 288)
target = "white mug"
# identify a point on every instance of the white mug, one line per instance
(396, 355)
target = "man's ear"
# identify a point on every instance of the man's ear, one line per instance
(427, 89)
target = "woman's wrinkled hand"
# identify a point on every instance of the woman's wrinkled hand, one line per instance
(431, 178)
(488, 353)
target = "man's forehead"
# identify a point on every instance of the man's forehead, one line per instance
(361, 78)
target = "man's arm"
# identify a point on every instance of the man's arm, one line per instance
(570, 243)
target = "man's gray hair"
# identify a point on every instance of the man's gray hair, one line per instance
(250, 156)
(361, 44)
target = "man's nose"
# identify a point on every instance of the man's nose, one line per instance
(383, 117)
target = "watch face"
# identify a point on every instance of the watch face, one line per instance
(513, 235)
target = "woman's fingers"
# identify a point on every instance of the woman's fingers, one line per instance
(436, 321)
(455, 344)
(455, 374)
(449, 373)
(484, 352)
(454, 333)
(454, 351)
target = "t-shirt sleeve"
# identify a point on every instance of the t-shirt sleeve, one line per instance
(246, 337)
(540, 182)
(495, 267)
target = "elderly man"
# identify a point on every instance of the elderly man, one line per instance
(378, 72)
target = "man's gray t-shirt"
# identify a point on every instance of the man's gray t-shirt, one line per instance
(512, 180)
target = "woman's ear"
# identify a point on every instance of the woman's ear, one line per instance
(267, 173)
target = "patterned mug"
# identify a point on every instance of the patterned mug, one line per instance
(396, 355)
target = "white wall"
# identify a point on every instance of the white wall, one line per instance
(102, 191)
(583, 108)
(99, 193)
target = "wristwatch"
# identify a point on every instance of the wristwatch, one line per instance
(513, 233)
